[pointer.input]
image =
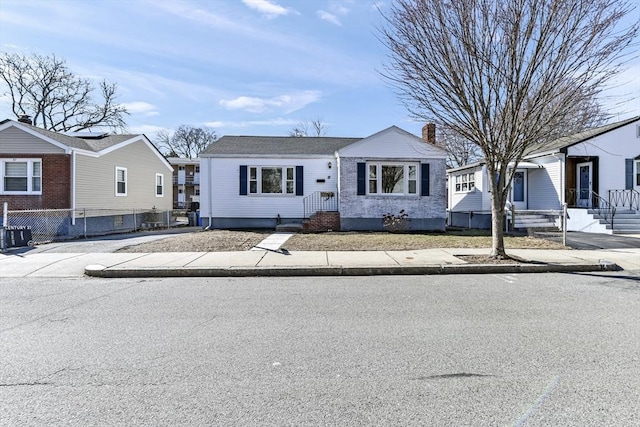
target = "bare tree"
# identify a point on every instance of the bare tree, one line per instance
(506, 75)
(44, 88)
(315, 127)
(186, 141)
(460, 151)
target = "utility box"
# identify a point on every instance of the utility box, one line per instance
(18, 236)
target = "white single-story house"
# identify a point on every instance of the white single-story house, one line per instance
(595, 172)
(326, 182)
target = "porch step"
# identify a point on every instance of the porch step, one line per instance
(624, 222)
(534, 221)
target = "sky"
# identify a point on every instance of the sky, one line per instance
(239, 67)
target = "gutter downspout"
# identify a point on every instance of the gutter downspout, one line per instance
(338, 174)
(209, 193)
(73, 187)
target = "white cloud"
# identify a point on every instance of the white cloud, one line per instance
(141, 107)
(149, 130)
(284, 103)
(267, 8)
(244, 124)
(326, 16)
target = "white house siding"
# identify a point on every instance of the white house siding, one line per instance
(545, 184)
(611, 148)
(392, 143)
(95, 180)
(365, 212)
(222, 206)
(16, 141)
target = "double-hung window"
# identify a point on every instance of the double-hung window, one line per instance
(21, 176)
(465, 182)
(159, 185)
(272, 180)
(121, 181)
(392, 178)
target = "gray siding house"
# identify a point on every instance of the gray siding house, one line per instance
(325, 183)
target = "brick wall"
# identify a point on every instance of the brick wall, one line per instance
(56, 184)
(323, 221)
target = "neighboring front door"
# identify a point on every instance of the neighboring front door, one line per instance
(584, 179)
(519, 190)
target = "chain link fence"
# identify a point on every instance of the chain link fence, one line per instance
(48, 225)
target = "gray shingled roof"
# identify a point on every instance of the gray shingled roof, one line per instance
(276, 145)
(567, 141)
(88, 144)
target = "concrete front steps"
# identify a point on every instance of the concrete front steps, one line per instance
(537, 221)
(624, 222)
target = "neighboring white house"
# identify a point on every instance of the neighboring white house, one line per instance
(333, 183)
(596, 173)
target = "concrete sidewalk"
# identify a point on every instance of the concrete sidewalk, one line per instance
(307, 263)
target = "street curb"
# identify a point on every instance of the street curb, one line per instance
(122, 272)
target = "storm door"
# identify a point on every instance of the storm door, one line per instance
(584, 180)
(519, 190)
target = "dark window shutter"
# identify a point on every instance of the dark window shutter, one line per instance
(424, 179)
(362, 181)
(243, 180)
(299, 181)
(628, 174)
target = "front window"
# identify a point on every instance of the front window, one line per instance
(21, 176)
(271, 180)
(121, 181)
(465, 182)
(393, 178)
(159, 185)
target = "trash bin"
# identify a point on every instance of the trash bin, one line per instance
(18, 236)
(192, 218)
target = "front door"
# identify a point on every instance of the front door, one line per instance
(584, 181)
(519, 190)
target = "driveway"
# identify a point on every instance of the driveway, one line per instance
(592, 241)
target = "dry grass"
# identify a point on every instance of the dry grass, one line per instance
(203, 241)
(226, 240)
(354, 241)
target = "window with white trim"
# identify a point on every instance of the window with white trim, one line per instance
(121, 181)
(465, 182)
(392, 178)
(272, 180)
(21, 176)
(159, 185)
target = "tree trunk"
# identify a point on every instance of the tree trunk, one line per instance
(498, 200)
(497, 229)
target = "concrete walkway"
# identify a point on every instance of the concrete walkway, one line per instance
(273, 242)
(307, 263)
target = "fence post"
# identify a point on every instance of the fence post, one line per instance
(5, 214)
(135, 222)
(564, 224)
(168, 220)
(84, 215)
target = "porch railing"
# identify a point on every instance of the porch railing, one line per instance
(602, 208)
(320, 201)
(625, 198)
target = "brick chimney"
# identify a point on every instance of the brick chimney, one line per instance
(429, 133)
(25, 118)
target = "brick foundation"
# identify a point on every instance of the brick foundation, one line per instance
(323, 221)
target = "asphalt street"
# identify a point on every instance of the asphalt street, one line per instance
(511, 349)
